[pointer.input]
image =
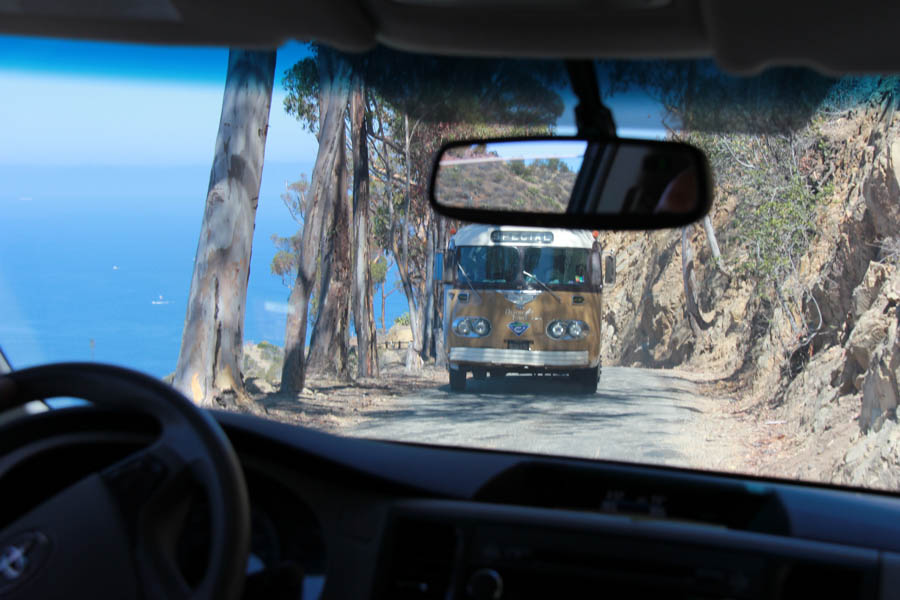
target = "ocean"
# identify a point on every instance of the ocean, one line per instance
(96, 263)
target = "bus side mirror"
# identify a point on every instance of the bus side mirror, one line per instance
(609, 269)
(596, 269)
(448, 268)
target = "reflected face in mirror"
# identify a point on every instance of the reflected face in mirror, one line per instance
(646, 180)
(680, 193)
(566, 176)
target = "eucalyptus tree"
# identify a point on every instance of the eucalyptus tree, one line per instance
(209, 363)
(318, 93)
(363, 309)
(403, 107)
(419, 103)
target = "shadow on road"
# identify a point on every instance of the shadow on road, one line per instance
(559, 386)
(521, 398)
(516, 385)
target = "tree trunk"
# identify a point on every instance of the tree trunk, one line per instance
(329, 343)
(373, 341)
(690, 285)
(428, 321)
(440, 352)
(413, 362)
(383, 300)
(333, 97)
(363, 318)
(209, 364)
(713, 242)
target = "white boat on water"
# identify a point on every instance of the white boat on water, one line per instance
(160, 300)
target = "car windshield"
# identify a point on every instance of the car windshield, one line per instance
(253, 227)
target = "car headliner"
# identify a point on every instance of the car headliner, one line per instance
(743, 37)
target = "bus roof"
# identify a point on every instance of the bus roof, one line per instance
(509, 235)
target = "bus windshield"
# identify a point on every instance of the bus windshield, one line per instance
(504, 266)
(556, 266)
(489, 264)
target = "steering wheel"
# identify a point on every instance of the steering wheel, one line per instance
(113, 533)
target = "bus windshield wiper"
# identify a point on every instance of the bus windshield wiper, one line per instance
(469, 281)
(544, 285)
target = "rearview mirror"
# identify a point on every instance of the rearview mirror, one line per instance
(572, 182)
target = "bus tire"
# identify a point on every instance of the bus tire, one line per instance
(457, 380)
(588, 379)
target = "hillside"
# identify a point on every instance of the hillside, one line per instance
(532, 186)
(800, 316)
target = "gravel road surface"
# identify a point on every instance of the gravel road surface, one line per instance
(637, 415)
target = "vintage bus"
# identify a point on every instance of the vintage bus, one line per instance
(524, 300)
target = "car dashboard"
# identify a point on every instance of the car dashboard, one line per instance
(374, 519)
(337, 517)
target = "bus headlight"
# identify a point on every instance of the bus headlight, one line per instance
(575, 329)
(462, 328)
(557, 330)
(471, 326)
(567, 330)
(481, 327)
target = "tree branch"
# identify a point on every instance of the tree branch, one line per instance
(386, 142)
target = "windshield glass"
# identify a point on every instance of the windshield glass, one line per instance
(201, 214)
(489, 264)
(556, 266)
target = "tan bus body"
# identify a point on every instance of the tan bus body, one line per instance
(531, 300)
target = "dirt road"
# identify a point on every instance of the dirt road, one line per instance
(637, 415)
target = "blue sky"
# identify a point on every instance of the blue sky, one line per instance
(89, 103)
(83, 103)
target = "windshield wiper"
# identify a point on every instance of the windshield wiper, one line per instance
(544, 285)
(469, 281)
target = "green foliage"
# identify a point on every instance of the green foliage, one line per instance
(286, 261)
(379, 270)
(403, 319)
(284, 264)
(776, 230)
(414, 104)
(272, 353)
(771, 175)
(543, 185)
(301, 82)
(484, 91)
(294, 197)
(553, 164)
(697, 96)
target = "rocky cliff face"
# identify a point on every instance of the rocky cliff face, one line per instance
(848, 365)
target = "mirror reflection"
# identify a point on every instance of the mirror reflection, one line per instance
(574, 176)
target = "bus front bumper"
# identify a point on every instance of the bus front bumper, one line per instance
(519, 358)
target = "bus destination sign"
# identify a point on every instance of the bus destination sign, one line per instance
(499, 236)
